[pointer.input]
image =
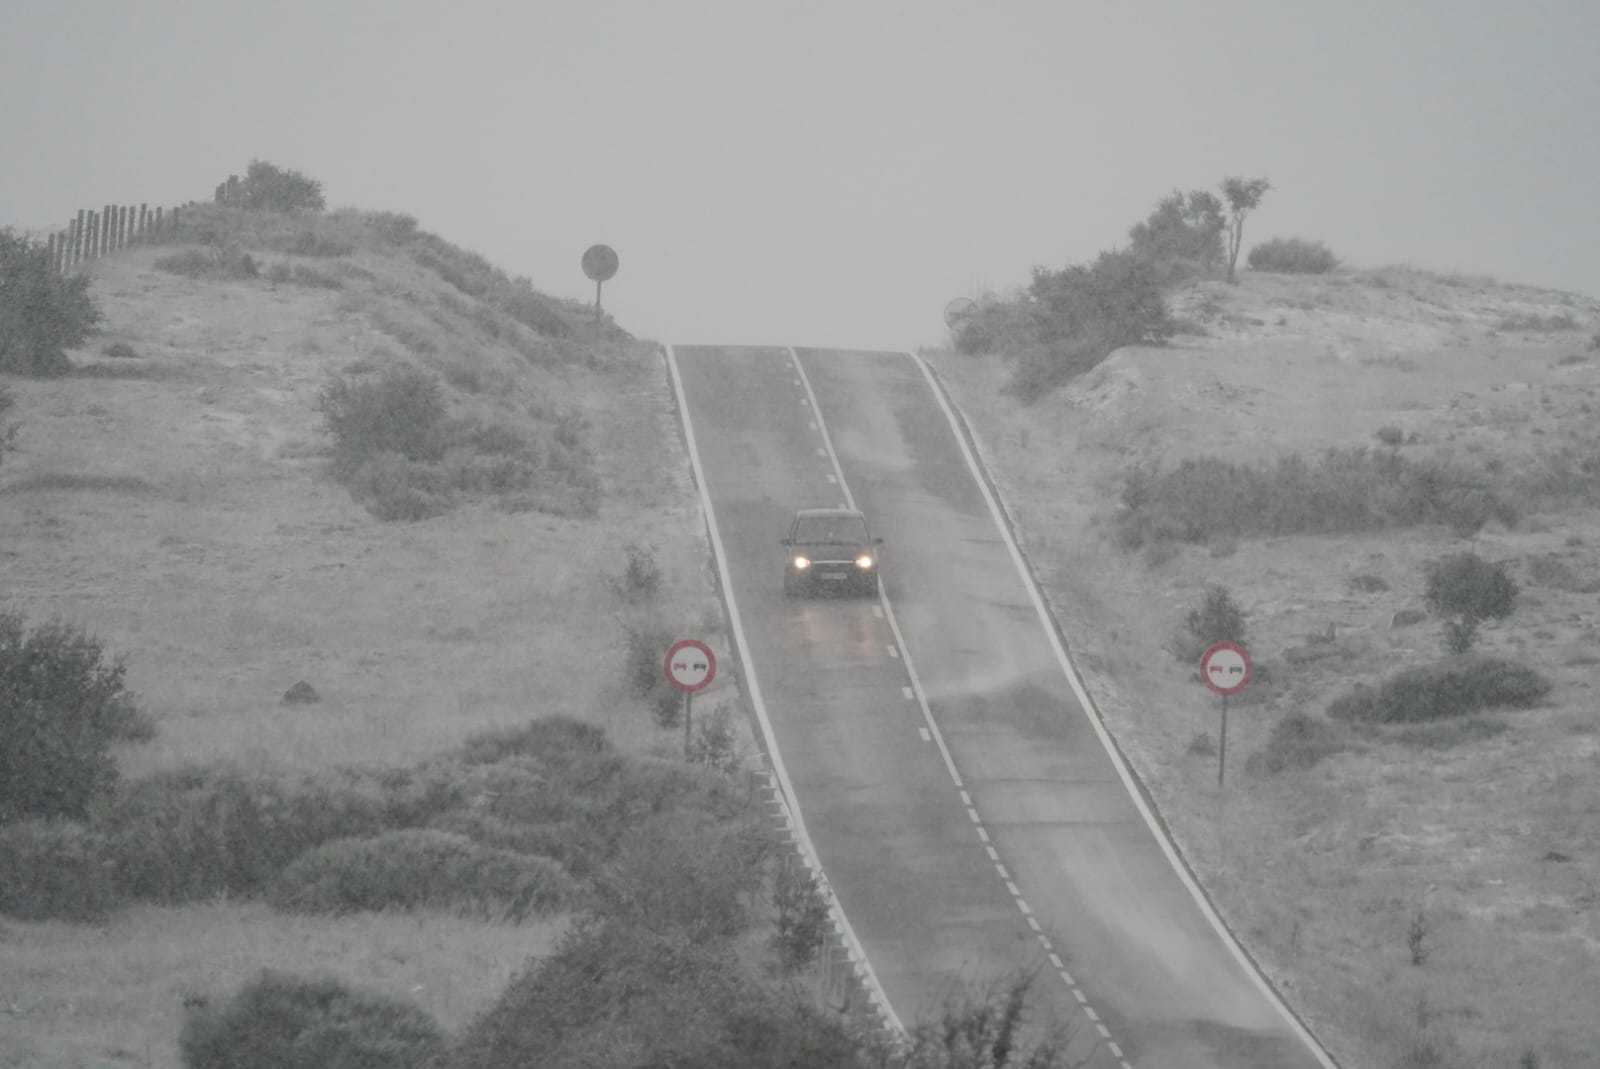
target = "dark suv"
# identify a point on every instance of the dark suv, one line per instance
(830, 549)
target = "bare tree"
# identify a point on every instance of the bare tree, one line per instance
(1243, 196)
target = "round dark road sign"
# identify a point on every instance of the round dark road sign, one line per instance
(691, 665)
(1225, 668)
(600, 262)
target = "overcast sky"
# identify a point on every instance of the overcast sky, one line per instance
(825, 173)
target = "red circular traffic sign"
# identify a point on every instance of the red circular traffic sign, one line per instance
(690, 665)
(1225, 668)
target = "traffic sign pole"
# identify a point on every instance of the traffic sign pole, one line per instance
(1222, 746)
(1226, 669)
(690, 666)
(688, 718)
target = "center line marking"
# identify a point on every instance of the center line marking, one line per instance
(895, 653)
(906, 692)
(926, 737)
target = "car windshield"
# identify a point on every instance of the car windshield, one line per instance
(830, 529)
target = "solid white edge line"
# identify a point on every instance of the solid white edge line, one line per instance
(1089, 712)
(753, 687)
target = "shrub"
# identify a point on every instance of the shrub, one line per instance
(1438, 691)
(1391, 436)
(686, 872)
(278, 1021)
(195, 833)
(42, 313)
(802, 916)
(401, 413)
(220, 261)
(1534, 323)
(552, 740)
(997, 326)
(8, 431)
(1218, 619)
(62, 706)
(1299, 741)
(1206, 498)
(1292, 256)
(54, 870)
(1469, 589)
(267, 188)
(641, 579)
(422, 868)
(1182, 237)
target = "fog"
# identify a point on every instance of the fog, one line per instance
(831, 173)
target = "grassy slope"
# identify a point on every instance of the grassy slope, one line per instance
(1322, 872)
(178, 507)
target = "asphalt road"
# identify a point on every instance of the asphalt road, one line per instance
(969, 817)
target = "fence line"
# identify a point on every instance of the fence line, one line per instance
(91, 234)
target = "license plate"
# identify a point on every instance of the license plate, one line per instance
(835, 575)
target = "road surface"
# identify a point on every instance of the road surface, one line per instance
(968, 815)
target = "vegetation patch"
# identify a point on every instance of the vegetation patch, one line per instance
(1343, 490)
(54, 869)
(1452, 688)
(280, 1021)
(419, 868)
(401, 454)
(1292, 256)
(1299, 741)
(42, 313)
(1534, 323)
(212, 262)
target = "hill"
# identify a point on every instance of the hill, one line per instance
(176, 496)
(1472, 840)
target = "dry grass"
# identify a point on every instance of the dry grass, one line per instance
(1321, 872)
(185, 517)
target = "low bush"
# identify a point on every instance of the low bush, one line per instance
(63, 704)
(195, 833)
(1469, 590)
(1534, 323)
(43, 313)
(641, 577)
(687, 872)
(1292, 256)
(214, 262)
(402, 412)
(1299, 741)
(1457, 687)
(1217, 619)
(278, 1021)
(54, 870)
(422, 868)
(553, 741)
(1344, 490)
(268, 188)
(8, 431)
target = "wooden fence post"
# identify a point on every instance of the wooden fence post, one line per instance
(144, 220)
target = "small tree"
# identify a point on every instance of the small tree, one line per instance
(1218, 619)
(1183, 235)
(61, 708)
(273, 189)
(41, 313)
(1468, 590)
(1243, 196)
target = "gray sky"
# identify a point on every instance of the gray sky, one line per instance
(831, 173)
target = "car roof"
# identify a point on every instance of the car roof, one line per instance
(828, 512)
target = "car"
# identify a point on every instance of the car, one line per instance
(830, 550)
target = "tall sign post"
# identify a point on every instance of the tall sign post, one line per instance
(690, 666)
(599, 263)
(1226, 669)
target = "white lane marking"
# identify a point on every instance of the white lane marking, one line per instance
(883, 595)
(757, 702)
(1004, 875)
(966, 799)
(1079, 995)
(1013, 889)
(1066, 978)
(1033, 922)
(973, 813)
(982, 834)
(1055, 959)
(1089, 1012)
(1044, 941)
(813, 424)
(877, 610)
(994, 855)
(1047, 623)
(1116, 1051)
(831, 479)
(894, 652)
(924, 733)
(906, 693)
(1027, 911)
(821, 452)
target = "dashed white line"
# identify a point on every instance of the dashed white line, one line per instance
(982, 834)
(1055, 959)
(894, 651)
(973, 813)
(994, 855)
(1027, 910)
(1004, 875)
(906, 693)
(1033, 922)
(926, 737)
(831, 479)
(966, 799)
(1077, 994)
(1013, 889)
(1089, 1012)
(1116, 1051)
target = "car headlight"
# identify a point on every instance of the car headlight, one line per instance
(802, 563)
(864, 562)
